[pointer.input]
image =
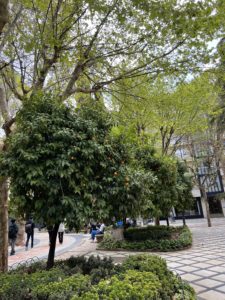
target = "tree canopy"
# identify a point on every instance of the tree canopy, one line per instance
(73, 47)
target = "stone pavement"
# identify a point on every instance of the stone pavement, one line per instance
(203, 266)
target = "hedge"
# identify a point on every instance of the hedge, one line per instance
(127, 286)
(183, 240)
(143, 277)
(64, 290)
(148, 233)
(18, 286)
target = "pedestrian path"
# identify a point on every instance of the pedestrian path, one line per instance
(41, 248)
(203, 266)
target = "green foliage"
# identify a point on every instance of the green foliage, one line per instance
(64, 290)
(183, 291)
(180, 240)
(96, 267)
(156, 265)
(164, 191)
(141, 277)
(148, 233)
(65, 164)
(29, 269)
(18, 286)
(127, 286)
(184, 188)
(174, 33)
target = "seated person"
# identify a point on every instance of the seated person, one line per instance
(100, 230)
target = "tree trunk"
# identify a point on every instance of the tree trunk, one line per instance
(157, 221)
(184, 220)
(167, 222)
(3, 224)
(205, 198)
(51, 253)
(21, 233)
(4, 14)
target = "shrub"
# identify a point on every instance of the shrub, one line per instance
(127, 286)
(183, 240)
(96, 267)
(148, 233)
(64, 290)
(31, 268)
(19, 286)
(156, 265)
(183, 291)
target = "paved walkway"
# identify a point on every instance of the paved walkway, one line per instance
(41, 248)
(203, 266)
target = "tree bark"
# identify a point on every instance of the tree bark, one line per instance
(21, 233)
(3, 224)
(4, 14)
(167, 222)
(184, 220)
(157, 221)
(205, 198)
(51, 253)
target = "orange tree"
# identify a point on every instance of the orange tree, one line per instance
(63, 163)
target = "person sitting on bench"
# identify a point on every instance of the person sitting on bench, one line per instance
(99, 230)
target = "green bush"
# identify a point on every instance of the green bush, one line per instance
(64, 290)
(148, 233)
(183, 291)
(96, 267)
(139, 277)
(32, 268)
(182, 241)
(156, 265)
(127, 286)
(19, 286)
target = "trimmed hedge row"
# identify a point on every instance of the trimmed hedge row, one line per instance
(143, 277)
(183, 240)
(148, 233)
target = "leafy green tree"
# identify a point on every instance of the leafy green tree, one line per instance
(64, 164)
(77, 39)
(131, 187)
(164, 193)
(56, 162)
(184, 187)
(166, 111)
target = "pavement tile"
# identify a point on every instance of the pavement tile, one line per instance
(202, 265)
(209, 283)
(174, 258)
(212, 295)
(190, 277)
(197, 288)
(205, 273)
(215, 262)
(187, 262)
(221, 289)
(219, 269)
(188, 269)
(220, 277)
(174, 265)
(200, 258)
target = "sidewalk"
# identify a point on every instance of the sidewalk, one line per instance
(41, 248)
(203, 266)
